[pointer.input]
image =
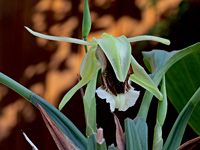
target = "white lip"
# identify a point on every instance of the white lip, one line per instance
(121, 101)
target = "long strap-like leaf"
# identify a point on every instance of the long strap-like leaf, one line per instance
(65, 125)
(174, 139)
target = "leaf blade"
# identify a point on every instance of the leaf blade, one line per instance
(61, 140)
(174, 139)
(120, 138)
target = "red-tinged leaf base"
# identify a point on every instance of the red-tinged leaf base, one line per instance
(61, 140)
(193, 144)
(120, 138)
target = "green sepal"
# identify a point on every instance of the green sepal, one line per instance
(140, 77)
(88, 71)
(118, 52)
(90, 107)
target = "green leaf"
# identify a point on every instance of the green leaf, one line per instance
(118, 52)
(90, 107)
(142, 130)
(91, 142)
(61, 140)
(112, 148)
(65, 125)
(155, 59)
(183, 79)
(174, 139)
(132, 137)
(158, 73)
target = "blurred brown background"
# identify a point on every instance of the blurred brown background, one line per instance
(50, 68)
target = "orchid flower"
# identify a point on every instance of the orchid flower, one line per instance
(118, 67)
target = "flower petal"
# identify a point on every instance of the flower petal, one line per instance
(142, 78)
(118, 52)
(90, 106)
(90, 65)
(69, 94)
(56, 38)
(105, 95)
(121, 101)
(88, 71)
(128, 99)
(149, 38)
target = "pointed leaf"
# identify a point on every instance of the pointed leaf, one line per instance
(140, 77)
(174, 139)
(142, 131)
(155, 59)
(91, 142)
(132, 137)
(61, 140)
(190, 145)
(120, 138)
(118, 52)
(67, 127)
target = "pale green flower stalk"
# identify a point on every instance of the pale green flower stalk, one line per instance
(113, 56)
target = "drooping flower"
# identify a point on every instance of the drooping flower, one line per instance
(118, 67)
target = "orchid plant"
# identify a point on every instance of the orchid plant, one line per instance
(118, 67)
(111, 56)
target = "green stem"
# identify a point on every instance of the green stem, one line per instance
(85, 39)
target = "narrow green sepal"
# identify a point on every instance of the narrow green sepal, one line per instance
(140, 77)
(149, 38)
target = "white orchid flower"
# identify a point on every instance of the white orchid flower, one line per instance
(118, 67)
